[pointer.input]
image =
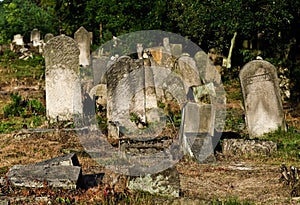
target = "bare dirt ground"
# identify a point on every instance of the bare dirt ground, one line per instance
(255, 180)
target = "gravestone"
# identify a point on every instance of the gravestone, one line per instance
(262, 100)
(99, 65)
(197, 131)
(82, 37)
(207, 70)
(61, 172)
(18, 40)
(125, 79)
(35, 37)
(176, 49)
(63, 88)
(187, 69)
(47, 37)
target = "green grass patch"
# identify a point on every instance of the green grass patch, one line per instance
(288, 143)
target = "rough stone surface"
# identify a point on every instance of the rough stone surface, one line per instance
(241, 147)
(262, 100)
(99, 66)
(62, 172)
(47, 37)
(35, 37)
(197, 131)
(63, 89)
(188, 71)
(165, 183)
(82, 37)
(38, 176)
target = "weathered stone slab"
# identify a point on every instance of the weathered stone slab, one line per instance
(63, 88)
(197, 131)
(99, 66)
(35, 37)
(207, 69)
(36, 176)
(18, 40)
(165, 183)
(82, 37)
(62, 172)
(241, 147)
(186, 68)
(262, 100)
(47, 37)
(65, 160)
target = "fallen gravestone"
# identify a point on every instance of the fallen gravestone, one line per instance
(262, 100)
(60, 172)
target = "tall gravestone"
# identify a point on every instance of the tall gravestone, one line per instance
(82, 37)
(63, 89)
(262, 100)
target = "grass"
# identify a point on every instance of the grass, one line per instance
(288, 143)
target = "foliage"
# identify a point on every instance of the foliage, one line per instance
(20, 108)
(288, 142)
(21, 16)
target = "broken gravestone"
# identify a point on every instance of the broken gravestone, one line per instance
(82, 37)
(60, 172)
(197, 130)
(262, 100)
(63, 88)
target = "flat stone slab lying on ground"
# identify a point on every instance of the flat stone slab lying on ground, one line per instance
(241, 147)
(60, 172)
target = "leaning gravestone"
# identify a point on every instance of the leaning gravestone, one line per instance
(63, 89)
(262, 100)
(82, 37)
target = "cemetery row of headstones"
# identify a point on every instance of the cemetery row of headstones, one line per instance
(194, 76)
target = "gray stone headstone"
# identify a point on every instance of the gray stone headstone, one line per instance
(187, 69)
(63, 88)
(197, 131)
(82, 37)
(35, 37)
(176, 49)
(18, 40)
(262, 100)
(125, 79)
(47, 37)
(99, 66)
(207, 70)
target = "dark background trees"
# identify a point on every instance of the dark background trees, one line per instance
(269, 28)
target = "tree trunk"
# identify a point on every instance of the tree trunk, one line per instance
(230, 50)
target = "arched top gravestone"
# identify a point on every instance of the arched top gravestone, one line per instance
(63, 89)
(263, 106)
(62, 50)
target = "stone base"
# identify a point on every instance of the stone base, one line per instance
(241, 147)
